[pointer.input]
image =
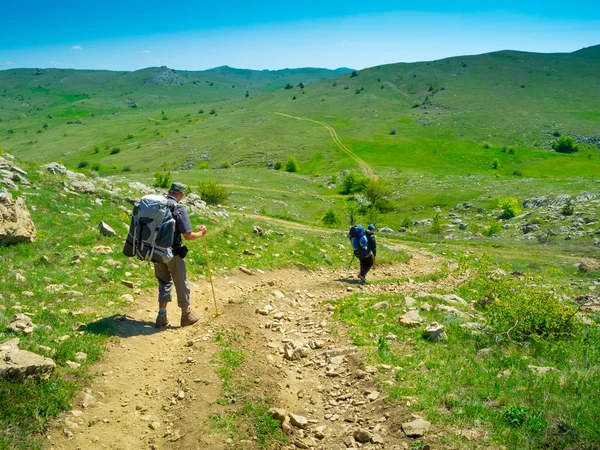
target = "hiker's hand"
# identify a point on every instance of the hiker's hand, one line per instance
(202, 230)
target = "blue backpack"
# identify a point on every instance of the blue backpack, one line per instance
(359, 241)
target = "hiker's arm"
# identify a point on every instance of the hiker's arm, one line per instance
(191, 236)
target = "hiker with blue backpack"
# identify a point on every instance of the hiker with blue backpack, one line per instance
(155, 234)
(364, 246)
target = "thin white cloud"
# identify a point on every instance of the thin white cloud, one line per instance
(76, 47)
(147, 52)
(9, 63)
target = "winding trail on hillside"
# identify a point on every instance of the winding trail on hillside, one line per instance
(366, 168)
(160, 389)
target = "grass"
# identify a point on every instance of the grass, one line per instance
(249, 418)
(454, 382)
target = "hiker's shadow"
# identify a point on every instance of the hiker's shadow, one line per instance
(348, 281)
(121, 325)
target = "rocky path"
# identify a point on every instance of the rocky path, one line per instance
(157, 389)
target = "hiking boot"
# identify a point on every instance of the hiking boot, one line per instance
(189, 318)
(161, 321)
(362, 279)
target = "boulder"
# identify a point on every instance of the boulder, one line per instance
(55, 167)
(436, 332)
(106, 229)
(386, 230)
(83, 187)
(588, 265)
(15, 221)
(411, 319)
(416, 428)
(362, 435)
(21, 323)
(194, 202)
(18, 364)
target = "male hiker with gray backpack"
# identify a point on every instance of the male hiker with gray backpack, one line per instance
(364, 246)
(157, 225)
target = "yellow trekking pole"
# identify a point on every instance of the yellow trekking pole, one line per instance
(217, 313)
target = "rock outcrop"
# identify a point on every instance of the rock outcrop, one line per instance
(17, 364)
(15, 221)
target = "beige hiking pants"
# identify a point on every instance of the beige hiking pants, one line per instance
(172, 273)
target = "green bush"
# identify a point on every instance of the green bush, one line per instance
(378, 192)
(331, 218)
(509, 206)
(226, 165)
(567, 209)
(203, 165)
(566, 144)
(436, 224)
(292, 164)
(115, 150)
(212, 193)
(162, 179)
(83, 164)
(278, 165)
(406, 222)
(492, 229)
(96, 149)
(96, 167)
(496, 164)
(130, 136)
(127, 168)
(519, 307)
(353, 183)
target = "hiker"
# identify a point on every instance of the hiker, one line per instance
(174, 272)
(367, 262)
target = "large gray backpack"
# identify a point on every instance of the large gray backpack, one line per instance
(152, 230)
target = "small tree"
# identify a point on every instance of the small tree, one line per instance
(352, 212)
(353, 183)
(354, 74)
(225, 165)
(436, 224)
(288, 86)
(301, 85)
(496, 164)
(292, 164)
(566, 144)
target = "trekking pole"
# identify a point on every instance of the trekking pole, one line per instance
(217, 313)
(351, 259)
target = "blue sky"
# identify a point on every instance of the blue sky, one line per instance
(130, 35)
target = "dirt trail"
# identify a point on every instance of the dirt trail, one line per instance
(157, 389)
(366, 168)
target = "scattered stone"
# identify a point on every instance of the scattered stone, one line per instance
(129, 284)
(127, 298)
(81, 356)
(106, 230)
(83, 187)
(18, 364)
(279, 414)
(381, 305)
(436, 332)
(537, 370)
(73, 364)
(504, 374)
(416, 428)
(278, 294)
(386, 230)
(589, 265)
(15, 221)
(298, 421)
(257, 230)
(102, 249)
(411, 319)
(55, 168)
(265, 311)
(372, 395)
(362, 435)
(21, 323)
(154, 425)
(246, 271)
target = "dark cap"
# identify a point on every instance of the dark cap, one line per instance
(371, 227)
(178, 187)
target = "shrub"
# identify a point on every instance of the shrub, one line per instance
(352, 212)
(353, 183)
(556, 133)
(226, 165)
(436, 224)
(83, 164)
(212, 193)
(354, 74)
(495, 164)
(406, 222)
(203, 165)
(511, 151)
(509, 206)
(567, 209)
(331, 218)
(115, 150)
(492, 229)
(376, 190)
(162, 179)
(130, 136)
(566, 144)
(288, 86)
(200, 111)
(96, 167)
(278, 165)
(96, 149)
(213, 111)
(393, 131)
(518, 172)
(362, 203)
(292, 164)
(127, 168)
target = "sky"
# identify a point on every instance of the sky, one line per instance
(197, 35)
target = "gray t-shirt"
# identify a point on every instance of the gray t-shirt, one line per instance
(182, 222)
